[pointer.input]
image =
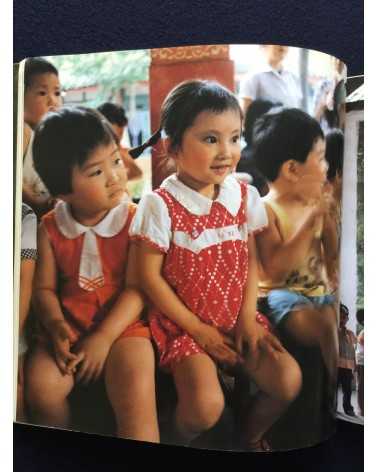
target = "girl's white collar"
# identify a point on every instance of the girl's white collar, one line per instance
(229, 195)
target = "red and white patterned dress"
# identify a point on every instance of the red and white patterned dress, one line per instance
(206, 255)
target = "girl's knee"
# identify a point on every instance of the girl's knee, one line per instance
(204, 412)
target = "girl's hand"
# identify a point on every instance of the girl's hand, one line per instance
(252, 339)
(95, 349)
(62, 338)
(219, 346)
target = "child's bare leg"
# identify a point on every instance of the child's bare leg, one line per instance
(317, 327)
(130, 384)
(279, 380)
(200, 397)
(47, 390)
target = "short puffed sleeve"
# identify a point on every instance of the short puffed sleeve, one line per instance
(257, 218)
(28, 233)
(152, 222)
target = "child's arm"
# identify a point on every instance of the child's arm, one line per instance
(250, 336)
(278, 257)
(96, 346)
(133, 170)
(26, 285)
(48, 306)
(217, 345)
(330, 248)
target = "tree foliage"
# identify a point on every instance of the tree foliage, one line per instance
(108, 70)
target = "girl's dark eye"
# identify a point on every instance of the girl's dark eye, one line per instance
(118, 161)
(42, 93)
(211, 139)
(96, 173)
(236, 139)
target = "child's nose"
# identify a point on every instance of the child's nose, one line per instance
(224, 150)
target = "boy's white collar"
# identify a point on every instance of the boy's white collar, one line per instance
(108, 227)
(229, 195)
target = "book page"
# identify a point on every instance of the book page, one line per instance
(205, 172)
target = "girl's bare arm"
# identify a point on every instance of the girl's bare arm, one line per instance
(129, 304)
(45, 284)
(150, 263)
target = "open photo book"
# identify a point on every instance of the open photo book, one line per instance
(188, 245)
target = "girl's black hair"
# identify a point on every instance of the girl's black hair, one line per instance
(255, 110)
(334, 152)
(65, 138)
(114, 113)
(283, 134)
(187, 100)
(37, 66)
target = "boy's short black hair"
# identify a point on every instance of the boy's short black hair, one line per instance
(334, 152)
(283, 134)
(114, 113)
(37, 66)
(65, 138)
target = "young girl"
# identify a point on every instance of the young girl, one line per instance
(88, 309)
(197, 260)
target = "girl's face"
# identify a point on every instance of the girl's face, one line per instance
(313, 172)
(209, 151)
(41, 96)
(98, 185)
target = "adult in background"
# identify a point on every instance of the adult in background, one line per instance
(360, 362)
(347, 361)
(272, 82)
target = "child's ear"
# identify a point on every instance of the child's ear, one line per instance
(169, 149)
(289, 170)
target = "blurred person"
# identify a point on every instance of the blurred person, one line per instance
(116, 116)
(360, 362)
(347, 360)
(273, 82)
(246, 164)
(325, 102)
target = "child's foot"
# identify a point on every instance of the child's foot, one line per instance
(349, 411)
(261, 445)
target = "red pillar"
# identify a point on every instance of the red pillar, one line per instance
(169, 67)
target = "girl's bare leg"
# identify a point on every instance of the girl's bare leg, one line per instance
(47, 390)
(279, 380)
(317, 327)
(130, 384)
(200, 397)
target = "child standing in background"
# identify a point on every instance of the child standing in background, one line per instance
(115, 114)
(198, 265)
(42, 94)
(85, 289)
(301, 235)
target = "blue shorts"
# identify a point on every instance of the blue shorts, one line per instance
(281, 302)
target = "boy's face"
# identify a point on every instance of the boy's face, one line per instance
(99, 184)
(313, 172)
(42, 95)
